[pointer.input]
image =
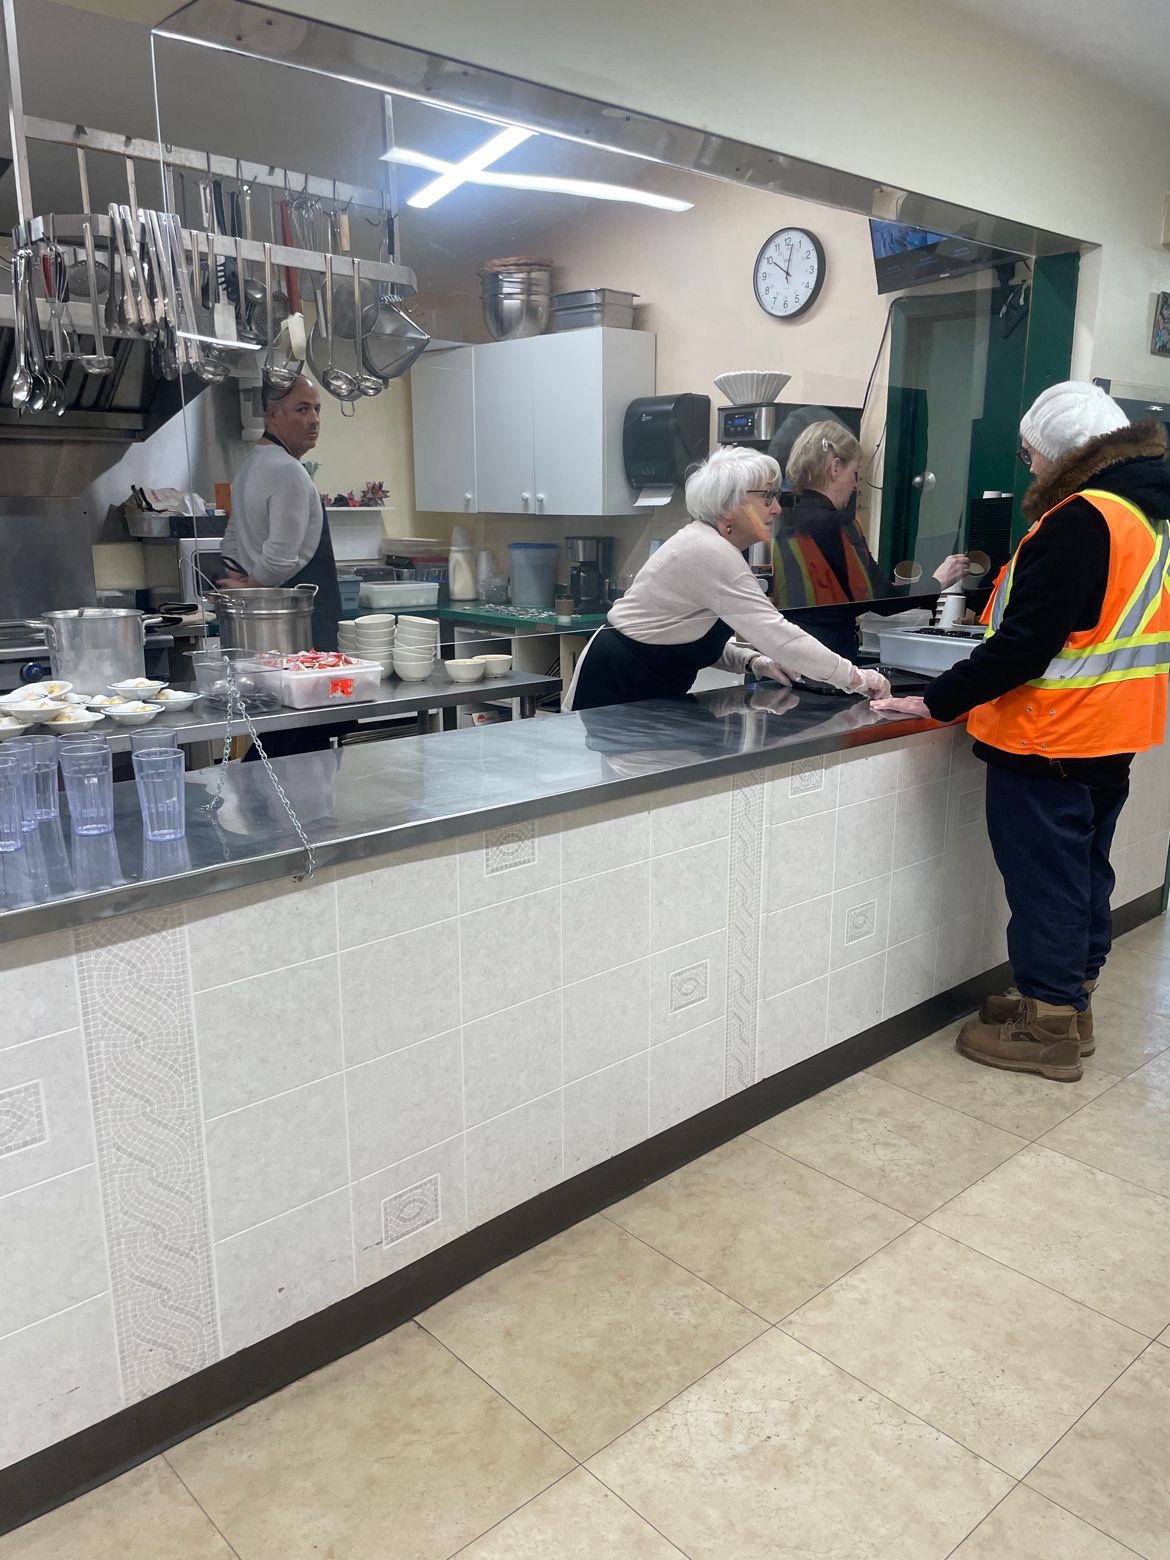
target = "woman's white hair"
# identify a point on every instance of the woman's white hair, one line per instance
(718, 487)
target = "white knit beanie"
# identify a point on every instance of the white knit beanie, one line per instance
(1068, 415)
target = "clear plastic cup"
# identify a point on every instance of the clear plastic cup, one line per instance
(147, 740)
(89, 788)
(47, 778)
(161, 794)
(11, 811)
(23, 752)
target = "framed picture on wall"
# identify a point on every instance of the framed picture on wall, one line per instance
(1160, 339)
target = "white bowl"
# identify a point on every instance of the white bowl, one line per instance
(387, 637)
(411, 672)
(464, 671)
(78, 719)
(137, 687)
(374, 620)
(495, 665)
(417, 657)
(751, 387)
(39, 690)
(175, 699)
(406, 621)
(102, 701)
(131, 717)
(10, 727)
(416, 641)
(33, 714)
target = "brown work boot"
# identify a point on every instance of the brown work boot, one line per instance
(1044, 1039)
(1007, 1006)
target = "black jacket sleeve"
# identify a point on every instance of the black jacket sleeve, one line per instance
(1059, 588)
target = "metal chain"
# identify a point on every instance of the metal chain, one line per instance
(236, 710)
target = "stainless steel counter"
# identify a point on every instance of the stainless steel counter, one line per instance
(370, 799)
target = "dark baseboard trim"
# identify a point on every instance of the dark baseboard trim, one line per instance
(82, 1462)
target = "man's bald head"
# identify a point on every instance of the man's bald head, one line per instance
(294, 418)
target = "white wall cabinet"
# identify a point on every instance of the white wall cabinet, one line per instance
(442, 407)
(546, 418)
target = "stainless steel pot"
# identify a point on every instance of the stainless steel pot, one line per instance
(277, 618)
(92, 647)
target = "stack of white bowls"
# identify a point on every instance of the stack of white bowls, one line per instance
(347, 637)
(414, 649)
(374, 640)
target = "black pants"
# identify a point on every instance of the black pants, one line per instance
(1051, 840)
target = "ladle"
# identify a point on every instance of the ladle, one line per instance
(368, 384)
(277, 376)
(341, 385)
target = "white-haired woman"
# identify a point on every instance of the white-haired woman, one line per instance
(696, 592)
(820, 557)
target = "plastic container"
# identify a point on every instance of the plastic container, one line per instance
(461, 584)
(259, 682)
(396, 595)
(350, 587)
(314, 690)
(927, 650)
(534, 573)
(89, 789)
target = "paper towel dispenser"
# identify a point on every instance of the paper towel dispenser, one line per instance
(662, 438)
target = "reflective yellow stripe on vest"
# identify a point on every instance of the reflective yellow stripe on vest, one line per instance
(1127, 652)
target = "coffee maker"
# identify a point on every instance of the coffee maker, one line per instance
(589, 565)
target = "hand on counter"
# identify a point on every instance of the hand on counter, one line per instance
(762, 668)
(901, 708)
(871, 683)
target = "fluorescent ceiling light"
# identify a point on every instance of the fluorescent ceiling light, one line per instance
(589, 189)
(458, 173)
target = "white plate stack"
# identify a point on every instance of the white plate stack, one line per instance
(414, 649)
(370, 638)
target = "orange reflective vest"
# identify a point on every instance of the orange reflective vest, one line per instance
(1105, 692)
(803, 576)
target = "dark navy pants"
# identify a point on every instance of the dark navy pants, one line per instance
(1051, 840)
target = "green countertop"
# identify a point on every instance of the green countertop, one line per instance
(516, 617)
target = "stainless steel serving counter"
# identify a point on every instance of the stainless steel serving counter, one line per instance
(370, 799)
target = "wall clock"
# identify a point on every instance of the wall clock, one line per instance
(789, 273)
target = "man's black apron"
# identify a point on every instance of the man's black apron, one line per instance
(616, 669)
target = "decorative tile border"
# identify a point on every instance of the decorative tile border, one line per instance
(510, 847)
(808, 776)
(22, 1117)
(136, 1014)
(689, 987)
(413, 1209)
(745, 891)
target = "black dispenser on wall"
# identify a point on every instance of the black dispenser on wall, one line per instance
(662, 438)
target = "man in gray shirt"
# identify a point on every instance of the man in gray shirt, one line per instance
(278, 532)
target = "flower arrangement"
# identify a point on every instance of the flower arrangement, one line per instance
(372, 496)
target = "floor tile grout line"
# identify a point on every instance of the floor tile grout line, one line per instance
(914, 1413)
(508, 1515)
(698, 1277)
(1088, 1409)
(198, 1503)
(1007, 1494)
(1138, 1186)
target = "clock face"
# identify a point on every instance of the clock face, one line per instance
(789, 274)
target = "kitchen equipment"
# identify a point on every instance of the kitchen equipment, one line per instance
(586, 584)
(751, 387)
(393, 595)
(516, 297)
(662, 437)
(592, 307)
(340, 384)
(495, 665)
(277, 618)
(461, 567)
(749, 425)
(927, 650)
(534, 573)
(464, 671)
(257, 681)
(92, 647)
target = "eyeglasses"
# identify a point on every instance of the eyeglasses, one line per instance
(1025, 457)
(769, 495)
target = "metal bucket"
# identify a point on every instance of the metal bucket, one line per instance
(92, 647)
(279, 618)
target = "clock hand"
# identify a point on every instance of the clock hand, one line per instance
(779, 267)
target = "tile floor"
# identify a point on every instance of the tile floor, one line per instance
(924, 1314)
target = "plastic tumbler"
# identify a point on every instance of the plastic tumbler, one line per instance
(22, 751)
(147, 740)
(11, 830)
(47, 792)
(161, 793)
(89, 787)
